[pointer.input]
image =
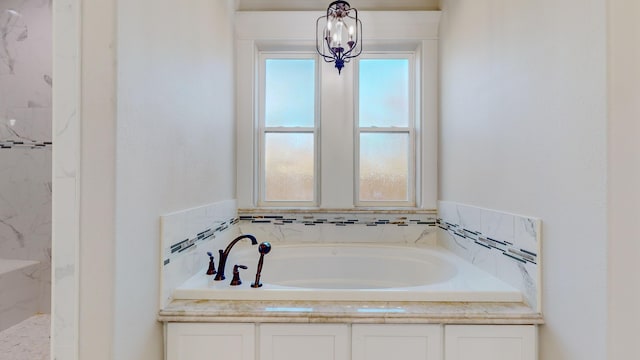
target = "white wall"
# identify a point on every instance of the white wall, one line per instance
(523, 130)
(624, 177)
(175, 143)
(155, 135)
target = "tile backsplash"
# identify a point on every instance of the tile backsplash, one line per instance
(187, 235)
(340, 226)
(505, 245)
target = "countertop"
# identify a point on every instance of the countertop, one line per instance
(373, 312)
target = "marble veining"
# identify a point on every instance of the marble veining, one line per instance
(505, 245)
(25, 71)
(12, 29)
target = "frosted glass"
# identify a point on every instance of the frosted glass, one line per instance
(384, 92)
(289, 167)
(290, 92)
(384, 167)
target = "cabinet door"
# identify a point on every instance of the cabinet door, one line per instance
(490, 342)
(304, 341)
(390, 341)
(201, 341)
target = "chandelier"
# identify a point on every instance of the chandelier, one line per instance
(339, 34)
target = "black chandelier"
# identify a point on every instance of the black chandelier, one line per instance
(339, 38)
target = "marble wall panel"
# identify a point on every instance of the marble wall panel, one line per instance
(25, 213)
(25, 70)
(25, 146)
(506, 245)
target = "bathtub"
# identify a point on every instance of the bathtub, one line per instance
(352, 272)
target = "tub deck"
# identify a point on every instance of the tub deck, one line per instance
(350, 312)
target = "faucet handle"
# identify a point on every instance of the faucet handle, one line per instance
(236, 275)
(212, 266)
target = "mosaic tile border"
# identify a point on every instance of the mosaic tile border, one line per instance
(182, 245)
(10, 144)
(340, 219)
(507, 248)
(185, 237)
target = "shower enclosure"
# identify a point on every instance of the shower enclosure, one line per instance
(25, 159)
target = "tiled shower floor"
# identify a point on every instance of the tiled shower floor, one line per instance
(28, 340)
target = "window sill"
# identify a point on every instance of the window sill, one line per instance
(315, 210)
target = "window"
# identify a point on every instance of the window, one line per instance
(380, 93)
(319, 146)
(288, 130)
(385, 132)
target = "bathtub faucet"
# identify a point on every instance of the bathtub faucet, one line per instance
(224, 254)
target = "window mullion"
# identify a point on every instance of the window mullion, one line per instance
(289, 129)
(385, 129)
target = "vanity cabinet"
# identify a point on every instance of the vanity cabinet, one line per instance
(304, 341)
(202, 341)
(277, 341)
(490, 342)
(396, 341)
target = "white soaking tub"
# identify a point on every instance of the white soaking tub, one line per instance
(352, 272)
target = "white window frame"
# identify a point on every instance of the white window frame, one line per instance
(260, 172)
(410, 130)
(270, 31)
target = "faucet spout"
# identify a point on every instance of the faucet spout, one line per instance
(224, 254)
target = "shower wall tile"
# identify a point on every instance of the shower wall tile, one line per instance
(25, 70)
(26, 117)
(25, 213)
(503, 244)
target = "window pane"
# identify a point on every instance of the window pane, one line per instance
(290, 92)
(289, 167)
(384, 166)
(384, 92)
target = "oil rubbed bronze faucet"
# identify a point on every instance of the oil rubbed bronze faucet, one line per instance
(224, 254)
